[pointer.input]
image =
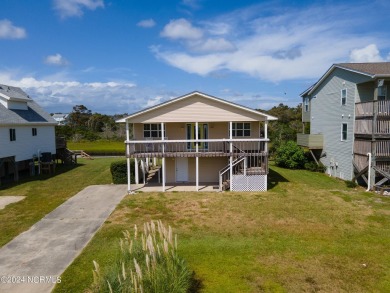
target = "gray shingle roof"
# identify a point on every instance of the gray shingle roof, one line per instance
(34, 113)
(373, 68)
(13, 92)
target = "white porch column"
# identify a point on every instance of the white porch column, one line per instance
(136, 168)
(143, 168)
(266, 135)
(128, 156)
(154, 162)
(163, 156)
(197, 158)
(231, 151)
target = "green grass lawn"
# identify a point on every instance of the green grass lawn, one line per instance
(100, 147)
(308, 233)
(45, 192)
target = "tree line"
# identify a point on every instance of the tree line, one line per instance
(82, 124)
(287, 126)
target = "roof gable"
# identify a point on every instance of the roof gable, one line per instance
(196, 107)
(32, 113)
(372, 70)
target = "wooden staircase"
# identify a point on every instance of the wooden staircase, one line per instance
(66, 156)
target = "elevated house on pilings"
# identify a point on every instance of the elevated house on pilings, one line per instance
(346, 120)
(26, 131)
(201, 138)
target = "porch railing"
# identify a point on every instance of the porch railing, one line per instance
(382, 148)
(367, 108)
(195, 148)
(382, 127)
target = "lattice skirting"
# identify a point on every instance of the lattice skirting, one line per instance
(249, 183)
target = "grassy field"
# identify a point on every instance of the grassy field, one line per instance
(308, 233)
(45, 192)
(101, 147)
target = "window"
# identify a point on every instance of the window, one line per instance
(34, 132)
(382, 92)
(344, 131)
(343, 97)
(242, 129)
(12, 134)
(152, 130)
(306, 104)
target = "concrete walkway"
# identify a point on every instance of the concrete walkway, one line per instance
(37, 257)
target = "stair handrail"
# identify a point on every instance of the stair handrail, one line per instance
(227, 168)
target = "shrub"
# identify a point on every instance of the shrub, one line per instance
(321, 168)
(312, 166)
(290, 155)
(147, 263)
(350, 184)
(119, 172)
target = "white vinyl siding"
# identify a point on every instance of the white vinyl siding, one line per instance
(327, 116)
(25, 145)
(197, 109)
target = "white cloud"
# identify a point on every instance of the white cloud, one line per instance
(70, 8)
(369, 53)
(181, 29)
(154, 101)
(217, 28)
(9, 31)
(193, 4)
(147, 23)
(62, 95)
(290, 44)
(56, 59)
(213, 45)
(201, 65)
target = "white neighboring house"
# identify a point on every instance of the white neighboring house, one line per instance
(26, 130)
(60, 118)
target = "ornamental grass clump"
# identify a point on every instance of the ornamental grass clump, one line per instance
(147, 262)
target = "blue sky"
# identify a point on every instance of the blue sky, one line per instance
(123, 55)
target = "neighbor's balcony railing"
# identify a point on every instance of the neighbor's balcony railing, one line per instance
(366, 109)
(195, 148)
(381, 148)
(311, 141)
(364, 126)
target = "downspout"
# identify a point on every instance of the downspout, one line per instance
(369, 171)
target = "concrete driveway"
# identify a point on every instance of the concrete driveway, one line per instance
(33, 261)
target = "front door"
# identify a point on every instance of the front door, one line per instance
(203, 133)
(181, 169)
